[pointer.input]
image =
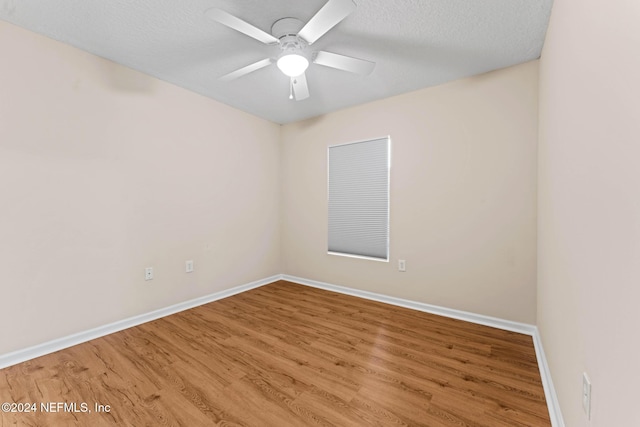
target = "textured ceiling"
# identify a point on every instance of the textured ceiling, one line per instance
(415, 44)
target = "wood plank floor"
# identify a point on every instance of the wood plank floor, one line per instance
(287, 355)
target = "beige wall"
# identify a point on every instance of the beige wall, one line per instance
(589, 207)
(104, 171)
(463, 194)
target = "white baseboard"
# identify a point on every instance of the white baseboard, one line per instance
(74, 339)
(549, 391)
(523, 328)
(480, 319)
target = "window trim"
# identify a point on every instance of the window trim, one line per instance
(389, 152)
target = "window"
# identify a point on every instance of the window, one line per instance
(359, 199)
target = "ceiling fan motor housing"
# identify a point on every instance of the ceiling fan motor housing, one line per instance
(286, 30)
(286, 26)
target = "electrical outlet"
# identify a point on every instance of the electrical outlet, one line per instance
(148, 273)
(402, 265)
(586, 395)
(189, 266)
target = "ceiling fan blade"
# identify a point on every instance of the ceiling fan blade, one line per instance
(345, 63)
(246, 70)
(300, 88)
(238, 24)
(328, 17)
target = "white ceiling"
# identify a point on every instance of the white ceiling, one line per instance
(415, 44)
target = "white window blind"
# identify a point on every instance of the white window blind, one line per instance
(359, 199)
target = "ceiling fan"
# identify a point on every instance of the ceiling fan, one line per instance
(294, 38)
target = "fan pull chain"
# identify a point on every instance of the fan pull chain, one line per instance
(291, 88)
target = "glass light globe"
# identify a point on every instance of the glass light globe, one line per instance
(292, 64)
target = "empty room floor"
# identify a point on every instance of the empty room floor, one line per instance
(286, 355)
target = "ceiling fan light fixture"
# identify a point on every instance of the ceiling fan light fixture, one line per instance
(292, 64)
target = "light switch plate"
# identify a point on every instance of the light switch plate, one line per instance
(586, 395)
